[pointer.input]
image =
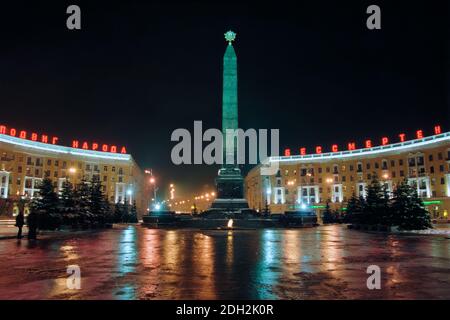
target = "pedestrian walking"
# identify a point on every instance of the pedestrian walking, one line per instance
(20, 221)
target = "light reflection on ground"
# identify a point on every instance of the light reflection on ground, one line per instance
(328, 262)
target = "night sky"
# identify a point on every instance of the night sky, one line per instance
(138, 70)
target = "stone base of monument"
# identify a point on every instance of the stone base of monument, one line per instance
(221, 208)
(215, 220)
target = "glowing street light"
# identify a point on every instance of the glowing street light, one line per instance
(72, 170)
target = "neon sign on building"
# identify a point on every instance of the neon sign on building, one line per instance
(44, 138)
(367, 143)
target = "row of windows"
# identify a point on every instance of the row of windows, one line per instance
(38, 162)
(310, 171)
(344, 179)
(105, 178)
(412, 161)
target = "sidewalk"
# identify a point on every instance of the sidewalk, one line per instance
(9, 231)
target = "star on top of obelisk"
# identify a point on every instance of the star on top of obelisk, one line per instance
(230, 36)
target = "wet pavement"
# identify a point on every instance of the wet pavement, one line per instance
(129, 262)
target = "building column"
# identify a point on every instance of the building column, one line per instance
(4, 186)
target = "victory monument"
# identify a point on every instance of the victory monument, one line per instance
(230, 183)
(230, 209)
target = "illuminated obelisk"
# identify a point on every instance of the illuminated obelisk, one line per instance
(230, 184)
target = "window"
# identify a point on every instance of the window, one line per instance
(400, 162)
(121, 171)
(384, 164)
(56, 163)
(343, 178)
(420, 161)
(335, 169)
(328, 169)
(411, 162)
(302, 172)
(29, 161)
(351, 167)
(49, 162)
(320, 169)
(359, 167)
(64, 165)
(430, 157)
(402, 173)
(392, 163)
(431, 169)
(393, 174)
(19, 169)
(368, 166)
(440, 155)
(113, 169)
(442, 181)
(441, 168)
(105, 168)
(376, 165)
(105, 178)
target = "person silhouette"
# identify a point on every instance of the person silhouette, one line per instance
(32, 225)
(20, 221)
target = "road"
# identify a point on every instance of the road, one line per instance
(132, 262)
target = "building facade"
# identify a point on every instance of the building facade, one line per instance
(311, 180)
(25, 163)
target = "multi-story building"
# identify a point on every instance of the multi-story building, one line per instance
(313, 179)
(24, 163)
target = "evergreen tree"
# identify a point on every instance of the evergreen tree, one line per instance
(97, 203)
(376, 204)
(408, 211)
(82, 205)
(328, 216)
(353, 209)
(118, 212)
(67, 204)
(133, 213)
(125, 211)
(45, 205)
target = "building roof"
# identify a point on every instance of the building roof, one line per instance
(378, 151)
(63, 150)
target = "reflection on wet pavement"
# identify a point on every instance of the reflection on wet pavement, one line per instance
(328, 262)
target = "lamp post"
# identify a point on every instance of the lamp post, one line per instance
(152, 181)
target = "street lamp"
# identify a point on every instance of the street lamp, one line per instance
(172, 191)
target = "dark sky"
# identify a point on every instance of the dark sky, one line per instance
(138, 70)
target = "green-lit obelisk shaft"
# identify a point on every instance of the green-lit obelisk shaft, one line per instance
(229, 99)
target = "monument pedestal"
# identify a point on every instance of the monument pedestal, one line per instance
(230, 192)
